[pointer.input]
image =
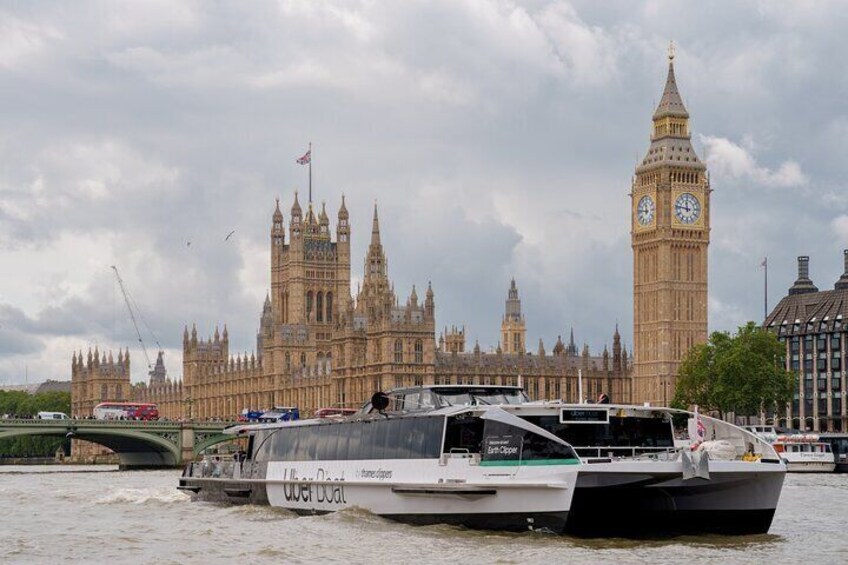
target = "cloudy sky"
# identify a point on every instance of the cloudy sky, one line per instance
(498, 137)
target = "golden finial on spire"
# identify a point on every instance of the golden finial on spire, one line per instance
(671, 50)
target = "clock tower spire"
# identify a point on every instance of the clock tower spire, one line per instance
(670, 233)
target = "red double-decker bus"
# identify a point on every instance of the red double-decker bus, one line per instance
(126, 411)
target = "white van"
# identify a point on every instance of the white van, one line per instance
(52, 416)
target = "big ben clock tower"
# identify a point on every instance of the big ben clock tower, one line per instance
(670, 233)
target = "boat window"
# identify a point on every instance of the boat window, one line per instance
(464, 434)
(400, 438)
(620, 432)
(506, 445)
(410, 401)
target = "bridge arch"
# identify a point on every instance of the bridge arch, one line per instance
(135, 448)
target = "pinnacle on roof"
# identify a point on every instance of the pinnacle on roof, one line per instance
(375, 228)
(278, 216)
(429, 290)
(310, 215)
(671, 104)
(322, 217)
(296, 210)
(343, 214)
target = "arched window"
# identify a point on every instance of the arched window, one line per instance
(104, 392)
(329, 300)
(309, 306)
(302, 360)
(319, 307)
(119, 392)
(419, 351)
(288, 361)
(398, 351)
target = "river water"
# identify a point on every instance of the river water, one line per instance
(94, 515)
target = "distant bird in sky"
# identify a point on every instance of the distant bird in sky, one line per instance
(188, 244)
(229, 235)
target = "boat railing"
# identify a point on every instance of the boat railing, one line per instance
(628, 452)
(216, 467)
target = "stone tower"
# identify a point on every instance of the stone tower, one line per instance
(98, 378)
(310, 282)
(513, 330)
(670, 234)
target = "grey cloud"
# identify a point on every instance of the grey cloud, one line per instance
(499, 139)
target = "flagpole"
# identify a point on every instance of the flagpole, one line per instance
(765, 290)
(310, 172)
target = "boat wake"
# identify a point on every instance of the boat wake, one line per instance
(143, 496)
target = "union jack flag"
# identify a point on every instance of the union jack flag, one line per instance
(306, 159)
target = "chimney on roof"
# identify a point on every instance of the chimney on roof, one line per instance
(803, 284)
(842, 283)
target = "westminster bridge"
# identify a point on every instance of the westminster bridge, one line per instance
(138, 444)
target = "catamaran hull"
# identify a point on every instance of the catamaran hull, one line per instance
(505, 499)
(636, 503)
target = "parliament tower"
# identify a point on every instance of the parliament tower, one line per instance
(670, 234)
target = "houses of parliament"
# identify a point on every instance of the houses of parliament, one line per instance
(320, 346)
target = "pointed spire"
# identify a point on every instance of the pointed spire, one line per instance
(310, 215)
(375, 227)
(671, 104)
(541, 348)
(217, 335)
(225, 336)
(266, 307)
(296, 210)
(343, 214)
(278, 216)
(413, 298)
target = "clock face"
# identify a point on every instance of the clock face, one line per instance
(645, 210)
(687, 208)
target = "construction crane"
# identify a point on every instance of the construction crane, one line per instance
(130, 303)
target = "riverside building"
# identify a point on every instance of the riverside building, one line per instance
(811, 324)
(319, 346)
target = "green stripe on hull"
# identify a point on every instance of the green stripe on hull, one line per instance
(530, 462)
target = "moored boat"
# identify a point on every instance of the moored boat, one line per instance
(839, 445)
(805, 453)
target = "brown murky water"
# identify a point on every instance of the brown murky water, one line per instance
(75, 515)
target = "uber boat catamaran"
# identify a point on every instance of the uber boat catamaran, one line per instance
(478, 466)
(486, 457)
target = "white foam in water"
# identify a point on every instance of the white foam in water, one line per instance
(143, 496)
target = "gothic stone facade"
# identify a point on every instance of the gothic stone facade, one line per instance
(812, 326)
(670, 234)
(319, 346)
